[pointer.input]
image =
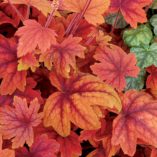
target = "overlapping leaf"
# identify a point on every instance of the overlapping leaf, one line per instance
(42, 147)
(70, 145)
(33, 35)
(5, 152)
(63, 55)
(29, 93)
(114, 66)
(153, 22)
(93, 13)
(12, 79)
(140, 36)
(146, 55)
(42, 5)
(17, 123)
(75, 101)
(131, 10)
(138, 120)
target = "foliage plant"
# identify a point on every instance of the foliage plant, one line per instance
(78, 78)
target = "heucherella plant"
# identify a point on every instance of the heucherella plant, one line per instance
(78, 78)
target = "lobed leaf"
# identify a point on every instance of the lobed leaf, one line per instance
(32, 34)
(146, 55)
(140, 36)
(12, 79)
(137, 120)
(75, 102)
(17, 123)
(114, 66)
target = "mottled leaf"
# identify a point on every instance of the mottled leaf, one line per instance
(153, 21)
(146, 56)
(137, 120)
(17, 123)
(75, 101)
(114, 66)
(136, 83)
(140, 36)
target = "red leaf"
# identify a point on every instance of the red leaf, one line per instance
(63, 55)
(42, 147)
(32, 34)
(114, 66)
(151, 82)
(29, 93)
(154, 153)
(70, 145)
(5, 152)
(12, 79)
(18, 122)
(8, 14)
(131, 10)
(75, 102)
(138, 120)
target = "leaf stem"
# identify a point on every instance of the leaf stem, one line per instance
(76, 20)
(55, 5)
(16, 10)
(81, 16)
(49, 20)
(115, 22)
(28, 11)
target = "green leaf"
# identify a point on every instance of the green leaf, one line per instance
(111, 18)
(153, 22)
(136, 83)
(146, 56)
(142, 35)
(154, 4)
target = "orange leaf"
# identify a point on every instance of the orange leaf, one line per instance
(43, 5)
(29, 93)
(5, 152)
(17, 123)
(28, 61)
(12, 79)
(63, 55)
(75, 101)
(132, 10)
(32, 34)
(137, 120)
(93, 14)
(42, 147)
(115, 65)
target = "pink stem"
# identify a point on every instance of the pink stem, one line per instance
(28, 11)
(81, 16)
